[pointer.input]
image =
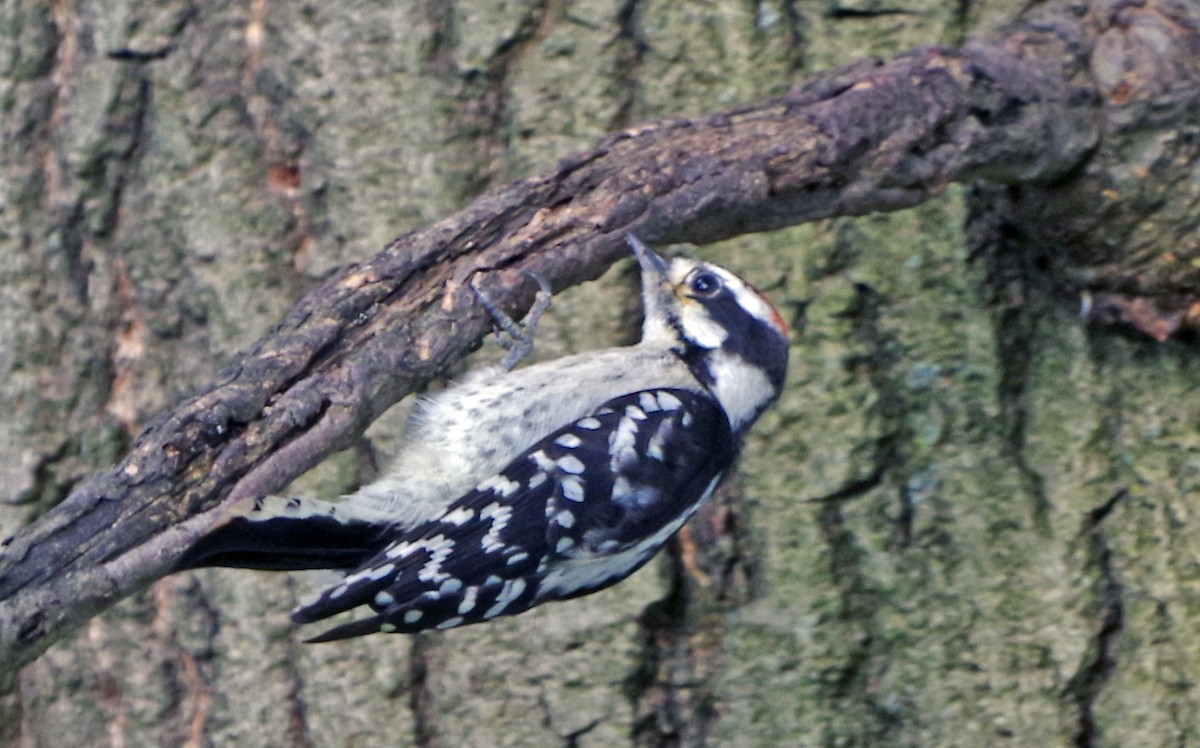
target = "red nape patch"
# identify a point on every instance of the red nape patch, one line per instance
(776, 317)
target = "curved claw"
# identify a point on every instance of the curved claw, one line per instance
(520, 337)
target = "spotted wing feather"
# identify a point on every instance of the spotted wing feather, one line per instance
(578, 511)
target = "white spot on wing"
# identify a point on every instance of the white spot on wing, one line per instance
(667, 401)
(511, 591)
(589, 423)
(400, 550)
(621, 443)
(380, 572)
(572, 488)
(571, 464)
(500, 485)
(648, 402)
(628, 495)
(654, 448)
(412, 616)
(620, 489)
(459, 517)
(499, 514)
(570, 441)
(544, 463)
(440, 548)
(468, 601)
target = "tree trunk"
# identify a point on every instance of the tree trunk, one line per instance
(968, 522)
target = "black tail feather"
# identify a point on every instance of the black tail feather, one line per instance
(284, 543)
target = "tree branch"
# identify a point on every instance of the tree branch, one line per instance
(870, 137)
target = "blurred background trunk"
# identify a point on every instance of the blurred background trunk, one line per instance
(1007, 554)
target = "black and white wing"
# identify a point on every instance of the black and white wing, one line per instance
(578, 511)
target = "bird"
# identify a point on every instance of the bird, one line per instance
(522, 485)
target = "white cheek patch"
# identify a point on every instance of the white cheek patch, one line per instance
(701, 328)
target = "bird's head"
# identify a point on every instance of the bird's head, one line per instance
(729, 333)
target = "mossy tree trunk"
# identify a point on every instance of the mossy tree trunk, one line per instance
(1005, 546)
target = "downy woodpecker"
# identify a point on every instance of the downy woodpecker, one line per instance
(514, 488)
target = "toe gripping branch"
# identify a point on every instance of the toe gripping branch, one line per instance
(519, 340)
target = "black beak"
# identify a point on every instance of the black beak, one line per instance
(657, 294)
(649, 260)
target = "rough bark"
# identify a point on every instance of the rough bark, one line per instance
(1022, 112)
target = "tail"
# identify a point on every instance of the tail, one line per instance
(281, 534)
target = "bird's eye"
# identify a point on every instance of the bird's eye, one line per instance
(704, 283)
